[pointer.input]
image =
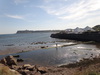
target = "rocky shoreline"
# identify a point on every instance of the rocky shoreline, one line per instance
(86, 36)
(84, 67)
(25, 69)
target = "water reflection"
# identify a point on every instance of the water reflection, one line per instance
(60, 55)
(57, 56)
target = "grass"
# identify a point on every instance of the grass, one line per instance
(92, 73)
(83, 63)
(86, 66)
(88, 71)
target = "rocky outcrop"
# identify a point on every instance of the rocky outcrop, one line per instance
(42, 69)
(20, 60)
(9, 60)
(87, 36)
(3, 61)
(25, 69)
(31, 31)
(79, 68)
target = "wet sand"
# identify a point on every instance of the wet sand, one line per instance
(10, 49)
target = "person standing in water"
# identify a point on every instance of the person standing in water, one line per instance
(56, 47)
(56, 44)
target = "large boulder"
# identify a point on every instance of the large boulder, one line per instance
(15, 67)
(24, 72)
(27, 72)
(3, 61)
(25, 66)
(42, 70)
(37, 73)
(11, 60)
(32, 68)
(20, 60)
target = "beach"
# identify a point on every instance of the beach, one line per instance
(92, 68)
(50, 53)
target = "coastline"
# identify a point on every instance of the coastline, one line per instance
(86, 36)
(58, 70)
(25, 69)
(33, 46)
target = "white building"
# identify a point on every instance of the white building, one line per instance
(88, 28)
(79, 30)
(69, 31)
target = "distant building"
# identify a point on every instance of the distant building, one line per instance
(79, 30)
(69, 31)
(88, 29)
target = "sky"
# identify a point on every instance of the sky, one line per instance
(47, 14)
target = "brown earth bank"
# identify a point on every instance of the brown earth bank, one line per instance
(9, 66)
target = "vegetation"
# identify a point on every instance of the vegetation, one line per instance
(97, 27)
(87, 72)
(86, 66)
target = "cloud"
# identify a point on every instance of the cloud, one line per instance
(15, 16)
(82, 9)
(26, 18)
(88, 22)
(48, 1)
(77, 9)
(20, 1)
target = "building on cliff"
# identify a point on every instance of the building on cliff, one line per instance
(79, 30)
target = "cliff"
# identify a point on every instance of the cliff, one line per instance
(88, 36)
(30, 31)
(26, 31)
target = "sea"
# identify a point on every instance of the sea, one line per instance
(46, 51)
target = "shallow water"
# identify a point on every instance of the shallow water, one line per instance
(50, 56)
(58, 56)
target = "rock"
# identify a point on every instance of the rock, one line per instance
(14, 72)
(43, 47)
(42, 70)
(11, 60)
(37, 73)
(16, 56)
(20, 68)
(9, 45)
(20, 60)
(15, 67)
(32, 68)
(26, 66)
(27, 72)
(3, 61)
(24, 72)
